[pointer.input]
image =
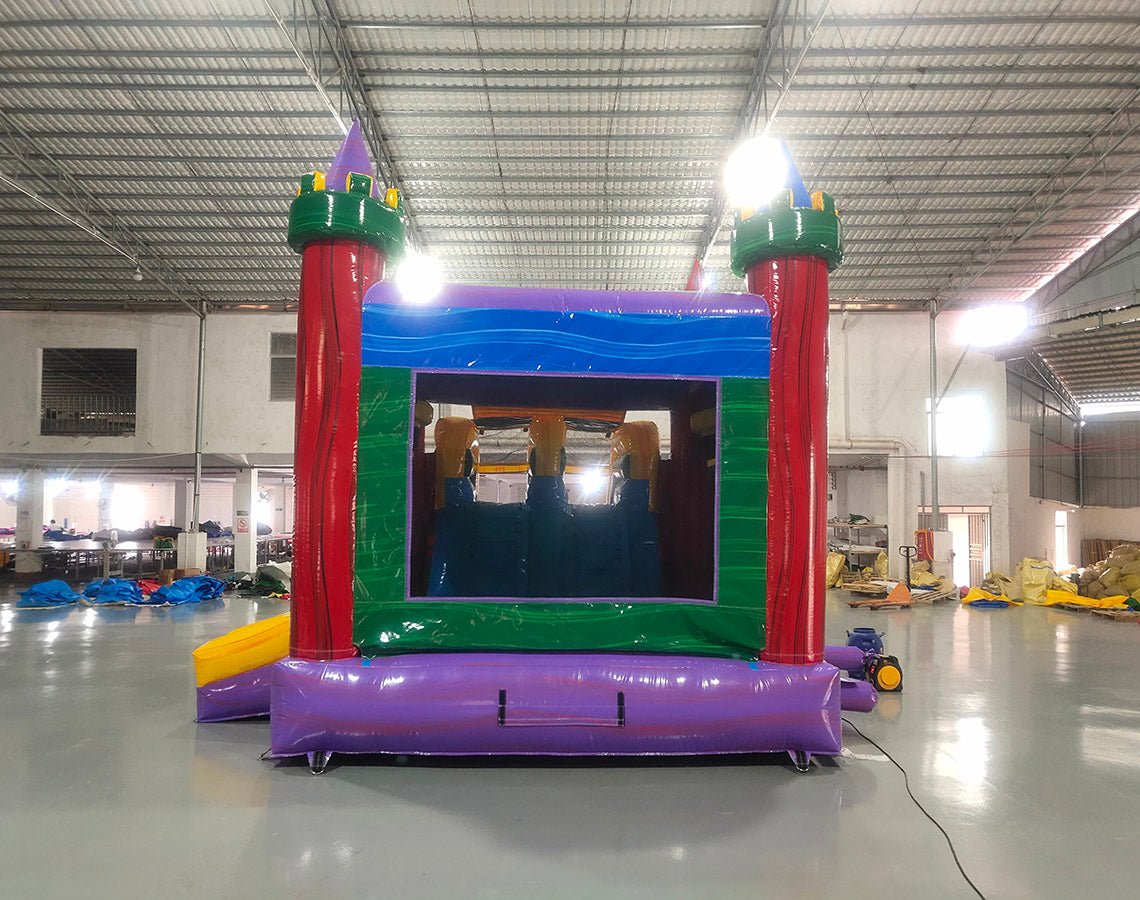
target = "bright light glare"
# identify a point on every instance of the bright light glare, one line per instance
(592, 482)
(755, 171)
(963, 425)
(92, 488)
(1107, 409)
(419, 278)
(10, 488)
(991, 326)
(128, 510)
(53, 487)
(263, 512)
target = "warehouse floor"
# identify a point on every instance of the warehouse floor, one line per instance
(1020, 728)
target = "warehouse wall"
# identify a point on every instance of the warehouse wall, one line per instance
(864, 492)
(238, 416)
(879, 384)
(1101, 522)
(1111, 461)
(1032, 520)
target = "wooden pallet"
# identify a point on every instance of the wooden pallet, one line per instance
(867, 591)
(1117, 615)
(879, 604)
(950, 593)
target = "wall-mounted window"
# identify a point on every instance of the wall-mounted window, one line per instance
(1053, 455)
(87, 391)
(282, 366)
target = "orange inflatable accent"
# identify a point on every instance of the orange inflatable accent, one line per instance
(454, 436)
(547, 443)
(641, 443)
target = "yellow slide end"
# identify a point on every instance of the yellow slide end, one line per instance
(243, 649)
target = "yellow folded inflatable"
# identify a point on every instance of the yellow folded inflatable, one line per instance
(975, 594)
(243, 649)
(1054, 597)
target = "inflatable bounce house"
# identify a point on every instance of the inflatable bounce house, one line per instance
(680, 612)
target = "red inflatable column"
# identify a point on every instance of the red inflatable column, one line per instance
(344, 238)
(786, 253)
(335, 273)
(796, 290)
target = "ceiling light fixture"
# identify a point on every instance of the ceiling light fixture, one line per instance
(419, 278)
(755, 172)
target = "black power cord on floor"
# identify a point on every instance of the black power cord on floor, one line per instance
(906, 783)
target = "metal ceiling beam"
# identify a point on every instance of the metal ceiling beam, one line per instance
(776, 48)
(325, 38)
(287, 179)
(1061, 185)
(1015, 52)
(437, 114)
(692, 160)
(722, 80)
(677, 134)
(672, 191)
(1087, 264)
(57, 192)
(38, 67)
(536, 23)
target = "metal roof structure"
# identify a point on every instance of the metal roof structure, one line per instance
(975, 147)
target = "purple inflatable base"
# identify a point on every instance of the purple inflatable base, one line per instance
(238, 697)
(544, 704)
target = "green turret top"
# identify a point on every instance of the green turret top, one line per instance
(318, 213)
(785, 230)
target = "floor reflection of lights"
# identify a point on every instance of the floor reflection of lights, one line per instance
(1062, 661)
(1110, 736)
(964, 757)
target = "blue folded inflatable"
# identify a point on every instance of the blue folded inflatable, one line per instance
(47, 593)
(194, 589)
(112, 590)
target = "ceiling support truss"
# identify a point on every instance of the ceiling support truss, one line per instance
(31, 171)
(787, 36)
(314, 31)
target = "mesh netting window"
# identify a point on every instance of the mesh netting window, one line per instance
(282, 366)
(88, 391)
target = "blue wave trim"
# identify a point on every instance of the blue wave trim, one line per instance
(547, 341)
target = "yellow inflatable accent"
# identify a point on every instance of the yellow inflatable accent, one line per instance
(703, 423)
(424, 414)
(454, 436)
(243, 649)
(641, 443)
(318, 180)
(547, 441)
(976, 594)
(1052, 598)
(392, 197)
(834, 566)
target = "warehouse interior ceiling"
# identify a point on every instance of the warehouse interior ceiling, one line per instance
(975, 146)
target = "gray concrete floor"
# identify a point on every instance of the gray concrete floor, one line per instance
(1021, 730)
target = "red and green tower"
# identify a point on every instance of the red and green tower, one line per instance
(345, 234)
(786, 251)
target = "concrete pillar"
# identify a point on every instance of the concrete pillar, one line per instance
(183, 503)
(103, 506)
(287, 507)
(245, 521)
(30, 521)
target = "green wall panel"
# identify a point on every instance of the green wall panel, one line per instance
(385, 622)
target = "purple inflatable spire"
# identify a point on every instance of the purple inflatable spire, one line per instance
(351, 157)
